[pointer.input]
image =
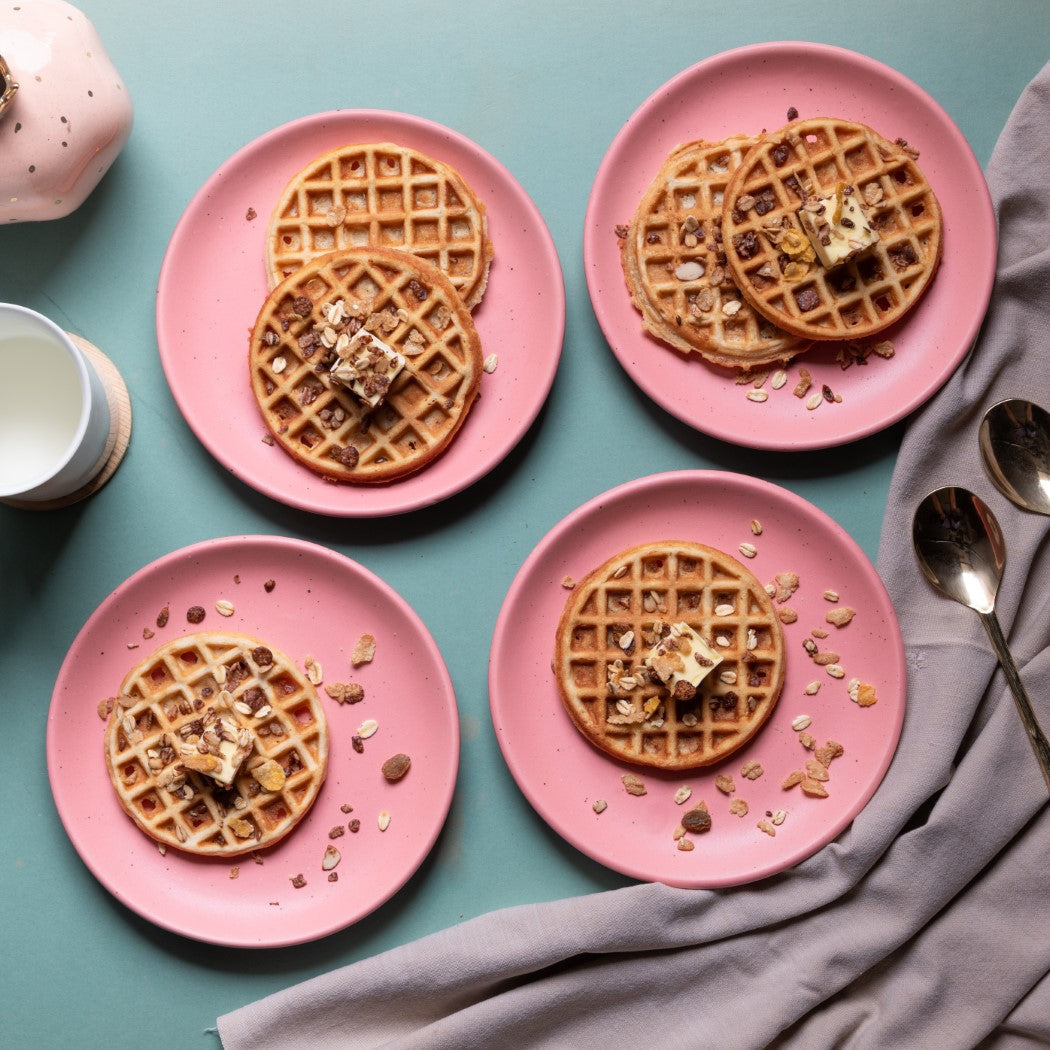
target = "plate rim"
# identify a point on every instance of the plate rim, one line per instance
(287, 546)
(647, 485)
(406, 497)
(753, 438)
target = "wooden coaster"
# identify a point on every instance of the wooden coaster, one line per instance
(116, 441)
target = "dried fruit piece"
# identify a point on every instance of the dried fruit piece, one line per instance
(697, 820)
(395, 767)
(269, 775)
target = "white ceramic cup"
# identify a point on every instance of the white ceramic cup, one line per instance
(54, 414)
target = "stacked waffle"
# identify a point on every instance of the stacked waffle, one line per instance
(364, 359)
(748, 250)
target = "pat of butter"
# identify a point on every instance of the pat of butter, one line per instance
(680, 656)
(223, 761)
(837, 227)
(367, 367)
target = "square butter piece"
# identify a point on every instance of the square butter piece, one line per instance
(836, 226)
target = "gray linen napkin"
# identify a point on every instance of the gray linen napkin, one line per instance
(923, 925)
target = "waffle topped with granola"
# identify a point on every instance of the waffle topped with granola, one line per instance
(675, 265)
(669, 655)
(217, 744)
(831, 231)
(365, 363)
(384, 194)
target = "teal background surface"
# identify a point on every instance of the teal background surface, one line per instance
(544, 86)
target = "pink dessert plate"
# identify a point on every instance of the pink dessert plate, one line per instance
(563, 775)
(321, 602)
(213, 283)
(746, 91)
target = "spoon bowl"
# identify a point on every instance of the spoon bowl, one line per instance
(1015, 444)
(960, 549)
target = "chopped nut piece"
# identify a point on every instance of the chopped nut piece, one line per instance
(314, 671)
(633, 785)
(568, 583)
(395, 767)
(725, 784)
(331, 858)
(336, 832)
(364, 651)
(345, 692)
(298, 881)
(490, 363)
(751, 770)
(383, 820)
(600, 805)
(682, 794)
(778, 818)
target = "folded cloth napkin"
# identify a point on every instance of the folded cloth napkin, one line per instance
(923, 925)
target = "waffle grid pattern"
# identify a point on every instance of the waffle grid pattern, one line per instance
(385, 195)
(426, 403)
(678, 223)
(164, 700)
(865, 294)
(604, 628)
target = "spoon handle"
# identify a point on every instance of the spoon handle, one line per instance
(1024, 705)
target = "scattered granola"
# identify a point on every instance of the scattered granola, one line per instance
(633, 785)
(840, 616)
(787, 615)
(364, 650)
(682, 795)
(369, 727)
(162, 617)
(801, 722)
(314, 670)
(224, 607)
(862, 693)
(764, 825)
(336, 832)
(395, 767)
(345, 692)
(787, 583)
(752, 770)
(600, 805)
(568, 583)
(685, 845)
(383, 821)
(298, 881)
(738, 807)
(725, 784)
(812, 688)
(331, 858)
(235, 872)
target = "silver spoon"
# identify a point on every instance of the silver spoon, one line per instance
(960, 548)
(1015, 443)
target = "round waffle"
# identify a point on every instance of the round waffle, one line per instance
(617, 614)
(862, 296)
(675, 269)
(410, 306)
(172, 708)
(387, 195)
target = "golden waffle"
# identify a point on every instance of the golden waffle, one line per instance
(387, 195)
(416, 311)
(863, 295)
(611, 621)
(675, 268)
(168, 705)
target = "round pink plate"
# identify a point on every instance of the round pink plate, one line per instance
(213, 283)
(746, 91)
(321, 602)
(563, 775)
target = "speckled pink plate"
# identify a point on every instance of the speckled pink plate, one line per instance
(746, 91)
(320, 605)
(213, 282)
(562, 774)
